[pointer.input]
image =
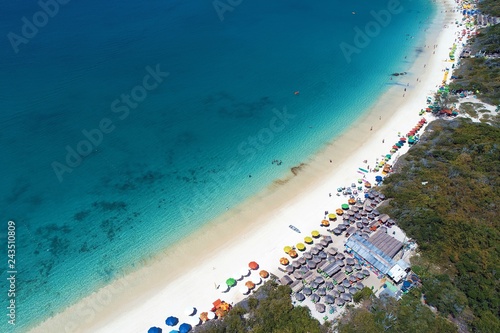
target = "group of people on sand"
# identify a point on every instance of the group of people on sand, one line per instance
(277, 162)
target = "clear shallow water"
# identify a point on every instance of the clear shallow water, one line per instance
(185, 152)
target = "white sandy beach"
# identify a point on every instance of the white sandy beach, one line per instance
(258, 229)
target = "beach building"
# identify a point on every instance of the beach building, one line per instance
(379, 250)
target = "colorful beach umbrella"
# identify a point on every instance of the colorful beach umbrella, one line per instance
(339, 211)
(284, 261)
(184, 328)
(332, 217)
(315, 233)
(263, 274)
(293, 253)
(231, 282)
(154, 330)
(308, 240)
(300, 246)
(172, 321)
(325, 223)
(287, 249)
(345, 206)
(250, 285)
(253, 265)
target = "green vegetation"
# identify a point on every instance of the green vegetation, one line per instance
(483, 73)
(391, 316)
(269, 311)
(454, 218)
(490, 6)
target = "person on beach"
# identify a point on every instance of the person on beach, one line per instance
(371, 128)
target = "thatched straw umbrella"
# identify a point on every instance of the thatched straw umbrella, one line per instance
(307, 291)
(300, 297)
(320, 307)
(321, 291)
(329, 299)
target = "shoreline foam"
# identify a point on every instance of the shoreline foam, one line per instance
(185, 274)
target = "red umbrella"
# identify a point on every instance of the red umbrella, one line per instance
(395, 147)
(402, 139)
(253, 265)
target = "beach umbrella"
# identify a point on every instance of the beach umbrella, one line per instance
(302, 260)
(329, 285)
(329, 299)
(340, 256)
(311, 264)
(365, 272)
(353, 290)
(357, 267)
(319, 280)
(264, 274)
(332, 251)
(287, 249)
(322, 291)
(300, 246)
(250, 285)
(316, 259)
(320, 307)
(297, 275)
(315, 298)
(359, 276)
(346, 297)
(189, 311)
(231, 282)
(335, 293)
(244, 271)
(340, 301)
(284, 261)
(244, 290)
(315, 233)
(352, 279)
(359, 285)
(315, 250)
(154, 330)
(339, 211)
(322, 255)
(211, 315)
(293, 254)
(307, 255)
(308, 240)
(204, 316)
(253, 265)
(328, 239)
(345, 206)
(314, 285)
(300, 297)
(325, 223)
(350, 261)
(323, 242)
(307, 291)
(289, 269)
(346, 283)
(184, 328)
(174, 331)
(296, 264)
(340, 288)
(348, 269)
(172, 321)
(337, 231)
(341, 227)
(340, 263)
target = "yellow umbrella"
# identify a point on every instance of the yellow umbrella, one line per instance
(287, 249)
(300, 246)
(332, 217)
(315, 233)
(308, 240)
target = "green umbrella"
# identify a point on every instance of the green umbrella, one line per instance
(399, 145)
(231, 282)
(388, 156)
(345, 206)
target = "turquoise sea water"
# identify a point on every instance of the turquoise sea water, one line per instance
(183, 151)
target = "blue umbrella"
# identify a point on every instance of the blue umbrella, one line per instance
(184, 328)
(174, 331)
(154, 330)
(171, 321)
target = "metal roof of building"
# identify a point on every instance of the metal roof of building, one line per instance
(369, 251)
